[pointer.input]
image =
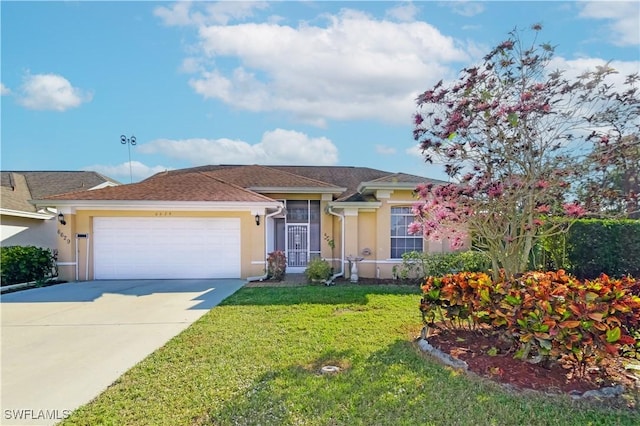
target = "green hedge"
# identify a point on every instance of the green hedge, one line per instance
(21, 264)
(416, 266)
(595, 246)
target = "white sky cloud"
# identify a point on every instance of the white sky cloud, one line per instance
(122, 172)
(225, 11)
(624, 17)
(415, 151)
(191, 65)
(278, 146)
(466, 8)
(178, 14)
(50, 92)
(181, 13)
(405, 12)
(385, 150)
(575, 67)
(354, 67)
(4, 90)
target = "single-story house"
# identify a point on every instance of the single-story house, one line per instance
(22, 223)
(221, 221)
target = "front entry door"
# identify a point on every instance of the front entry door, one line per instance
(297, 246)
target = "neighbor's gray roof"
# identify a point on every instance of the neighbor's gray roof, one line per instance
(45, 183)
(15, 193)
(18, 187)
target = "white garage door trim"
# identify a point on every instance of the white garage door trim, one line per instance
(166, 247)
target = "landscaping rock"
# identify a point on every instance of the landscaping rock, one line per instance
(443, 357)
(608, 392)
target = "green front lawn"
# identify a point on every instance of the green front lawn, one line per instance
(255, 360)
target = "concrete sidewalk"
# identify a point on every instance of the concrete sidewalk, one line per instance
(63, 345)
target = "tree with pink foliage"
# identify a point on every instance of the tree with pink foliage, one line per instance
(510, 134)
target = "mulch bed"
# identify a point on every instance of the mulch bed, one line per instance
(487, 357)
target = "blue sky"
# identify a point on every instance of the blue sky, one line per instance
(310, 83)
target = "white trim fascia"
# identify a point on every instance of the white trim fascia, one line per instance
(356, 204)
(364, 186)
(29, 215)
(403, 202)
(159, 205)
(296, 190)
(103, 185)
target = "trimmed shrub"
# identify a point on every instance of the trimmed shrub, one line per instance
(276, 265)
(21, 264)
(546, 316)
(318, 270)
(416, 266)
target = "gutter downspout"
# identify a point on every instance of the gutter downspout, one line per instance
(266, 274)
(86, 267)
(341, 273)
(77, 250)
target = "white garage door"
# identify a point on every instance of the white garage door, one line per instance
(165, 247)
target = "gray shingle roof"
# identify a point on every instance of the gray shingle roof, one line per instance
(45, 183)
(15, 193)
(18, 187)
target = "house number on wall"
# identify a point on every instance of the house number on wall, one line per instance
(163, 213)
(64, 237)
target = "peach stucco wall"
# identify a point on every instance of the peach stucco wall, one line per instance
(371, 229)
(365, 228)
(252, 239)
(374, 233)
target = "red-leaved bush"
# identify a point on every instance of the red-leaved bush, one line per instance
(545, 315)
(276, 265)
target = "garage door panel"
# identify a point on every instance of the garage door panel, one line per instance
(166, 248)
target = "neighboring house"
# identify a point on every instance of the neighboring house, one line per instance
(222, 221)
(22, 223)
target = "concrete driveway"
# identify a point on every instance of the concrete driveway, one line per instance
(63, 345)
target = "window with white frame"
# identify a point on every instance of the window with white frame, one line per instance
(401, 240)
